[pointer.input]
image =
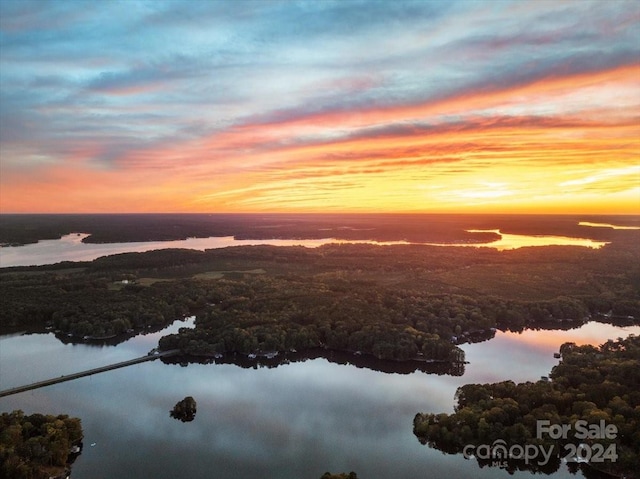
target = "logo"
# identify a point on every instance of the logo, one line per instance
(499, 452)
(583, 430)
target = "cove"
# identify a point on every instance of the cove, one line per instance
(294, 421)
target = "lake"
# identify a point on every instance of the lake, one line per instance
(71, 248)
(294, 421)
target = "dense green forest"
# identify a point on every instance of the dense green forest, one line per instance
(37, 446)
(393, 302)
(265, 314)
(599, 386)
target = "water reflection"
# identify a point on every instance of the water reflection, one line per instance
(149, 336)
(294, 421)
(71, 248)
(337, 357)
(28, 358)
(522, 350)
(511, 241)
(607, 225)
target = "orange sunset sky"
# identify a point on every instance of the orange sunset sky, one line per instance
(320, 106)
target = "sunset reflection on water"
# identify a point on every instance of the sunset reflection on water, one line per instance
(71, 248)
(590, 333)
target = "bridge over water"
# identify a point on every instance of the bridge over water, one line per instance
(89, 372)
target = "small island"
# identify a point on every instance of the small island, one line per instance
(184, 410)
(343, 475)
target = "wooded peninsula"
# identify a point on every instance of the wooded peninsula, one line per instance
(405, 302)
(38, 446)
(594, 392)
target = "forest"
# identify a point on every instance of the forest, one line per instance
(398, 303)
(38, 446)
(595, 385)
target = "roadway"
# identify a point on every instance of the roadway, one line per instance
(89, 372)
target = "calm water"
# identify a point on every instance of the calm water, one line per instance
(71, 248)
(294, 421)
(607, 225)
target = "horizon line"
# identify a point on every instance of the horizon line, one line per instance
(314, 213)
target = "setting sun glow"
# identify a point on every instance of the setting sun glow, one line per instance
(474, 107)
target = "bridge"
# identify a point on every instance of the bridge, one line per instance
(89, 372)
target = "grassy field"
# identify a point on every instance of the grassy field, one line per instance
(222, 274)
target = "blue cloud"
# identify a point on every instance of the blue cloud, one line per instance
(130, 74)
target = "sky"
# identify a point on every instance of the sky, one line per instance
(320, 106)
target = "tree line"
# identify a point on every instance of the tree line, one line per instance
(596, 385)
(394, 303)
(37, 446)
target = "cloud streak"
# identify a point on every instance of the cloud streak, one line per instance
(319, 106)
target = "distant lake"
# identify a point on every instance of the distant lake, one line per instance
(607, 225)
(292, 422)
(71, 248)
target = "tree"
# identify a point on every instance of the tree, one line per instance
(184, 410)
